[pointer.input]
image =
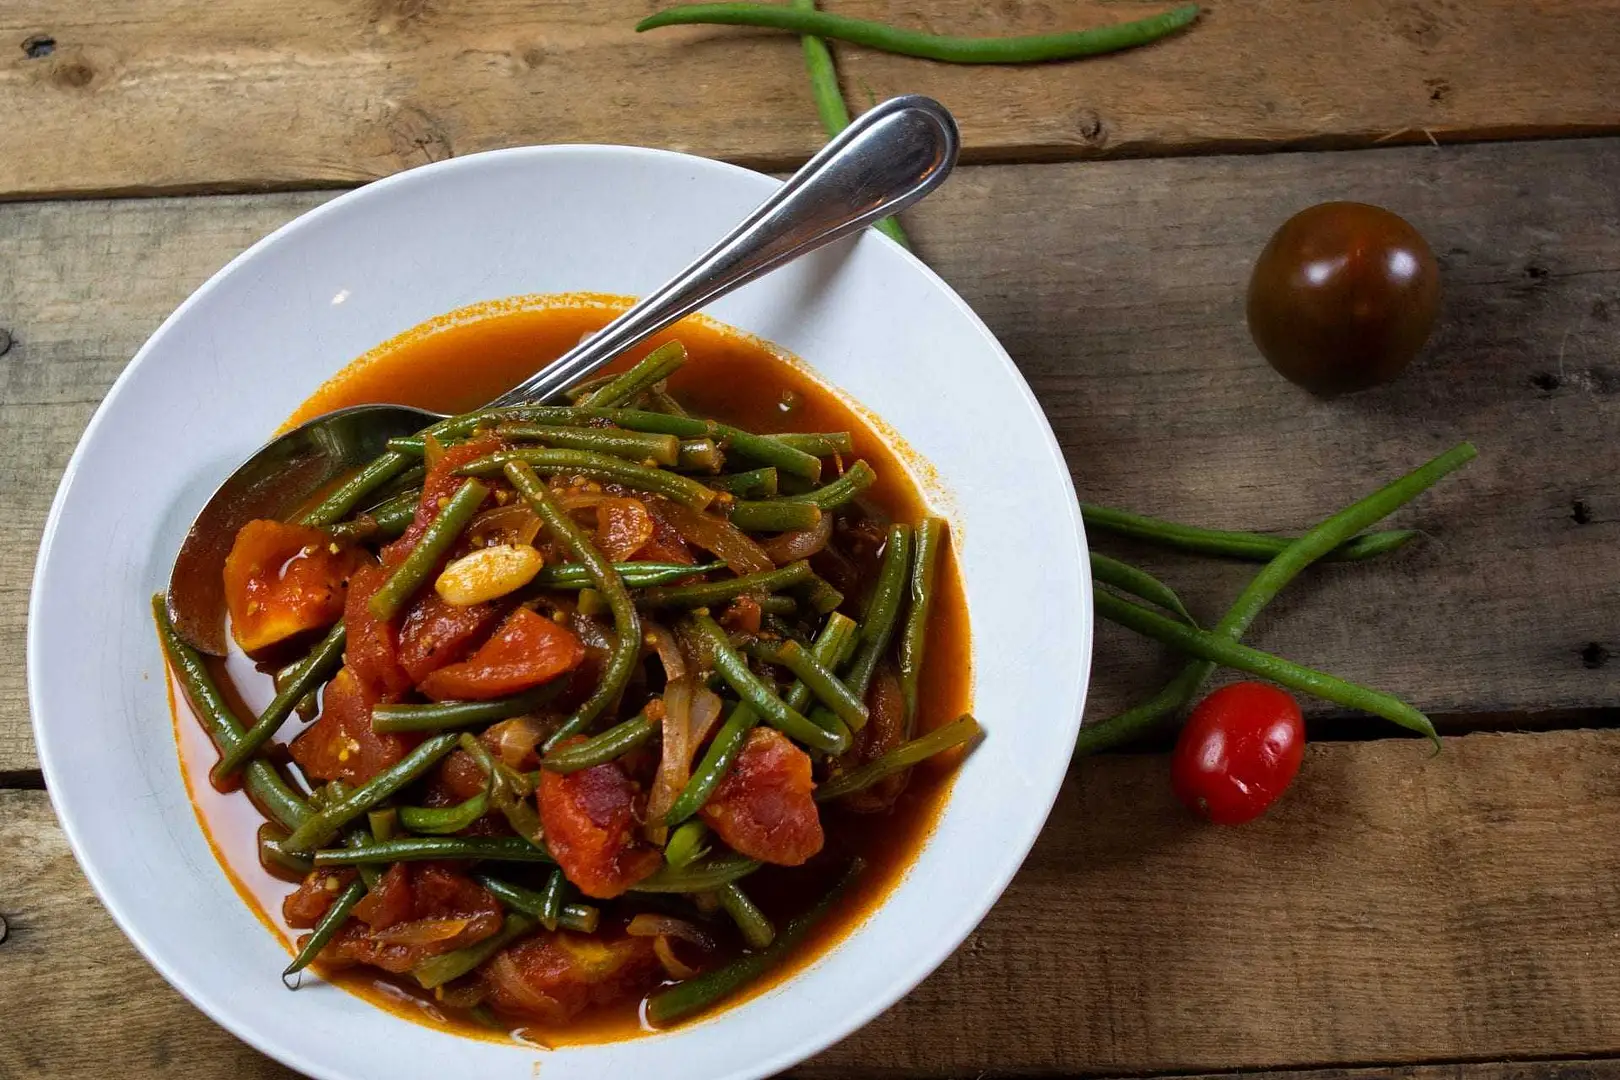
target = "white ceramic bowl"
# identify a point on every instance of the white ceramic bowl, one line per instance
(238, 356)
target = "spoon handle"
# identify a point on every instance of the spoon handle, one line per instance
(886, 160)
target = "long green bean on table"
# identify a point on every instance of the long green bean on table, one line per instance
(1231, 543)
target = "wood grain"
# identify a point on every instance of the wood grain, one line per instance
(1118, 289)
(168, 96)
(1392, 906)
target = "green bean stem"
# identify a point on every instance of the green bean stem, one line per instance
(962, 730)
(774, 515)
(420, 848)
(323, 826)
(700, 455)
(636, 575)
(336, 506)
(435, 971)
(756, 928)
(716, 762)
(855, 480)
(581, 918)
(610, 745)
(698, 877)
(1138, 582)
(655, 367)
(384, 823)
(711, 593)
(735, 671)
(929, 536)
(754, 482)
(813, 674)
(321, 664)
(435, 543)
(1225, 542)
(674, 486)
(440, 715)
(551, 899)
(687, 844)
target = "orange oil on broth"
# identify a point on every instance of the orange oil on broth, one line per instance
(461, 360)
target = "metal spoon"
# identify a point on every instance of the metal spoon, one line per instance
(886, 160)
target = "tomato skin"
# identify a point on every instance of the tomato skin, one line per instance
(1239, 751)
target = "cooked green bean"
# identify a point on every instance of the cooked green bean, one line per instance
(673, 486)
(323, 826)
(384, 823)
(329, 924)
(419, 848)
(271, 852)
(711, 593)
(693, 995)
(1315, 544)
(436, 541)
(774, 515)
(440, 715)
(445, 820)
(832, 645)
(318, 667)
(734, 670)
(781, 605)
(819, 595)
(639, 446)
(382, 522)
(756, 928)
(1138, 582)
(551, 899)
(660, 401)
(821, 444)
(877, 629)
(857, 479)
(610, 745)
(435, 971)
(263, 782)
(636, 575)
(926, 544)
(626, 623)
(959, 731)
(754, 482)
(822, 682)
(1026, 49)
(511, 791)
(1231, 544)
(336, 506)
(716, 762)
(698, 877)
(655, 367)
(581, 918)
(700, 455)
(687, 844)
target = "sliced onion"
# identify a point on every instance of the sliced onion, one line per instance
(667, 647)
(506, 979)
(515, 524)
(422, 931)
(576, 499)
(514, 740)
(672, 964)
(463, 996)
(674, 759)
(649, 924)
(790, 547)
(592, 632)
(623, 527)
(717, 536)
(705, 713)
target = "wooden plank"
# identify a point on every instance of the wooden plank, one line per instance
(1118, 289)
(346, 92)
(1393, 907)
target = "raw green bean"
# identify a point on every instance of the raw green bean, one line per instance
(336, 506)
(436, 541)
(321, 664)
(855, 480)
(883, 612)
(821, 444)
(419, 848)
(581, 918)
(756, 929)
(700, 455)
(754, 482)
(329, 924)
(704, 876)
(323, 826)
(717, 759)
(822, 682)
(610, 745)
(1315, 544)
(929, 537)
(440, 715)
(1138, 582)
(263, 782)
(272, 853)
(694, 995)
(774, 515)
(639, 446)
(959, 731)
(686, 844)
(551, 899)
(674, 486)
(1026, 49)
(834, 642)
(1229, 543)
(626, 623)
(711, 593)
(636, 575)
(734, 670)
(655, 367)
(446, 820)
(384, 823)
(435, 971)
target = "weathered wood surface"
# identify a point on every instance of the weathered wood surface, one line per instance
(1118, 289)
(168, 95)
(1392, 908)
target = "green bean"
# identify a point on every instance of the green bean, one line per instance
(636, 575)
(655, 367)
(760, 482)
(435, 971)
(384, 823)
(661, 402)
(774, 515)
(321, 664)
(756, 929)
(821, 444)
(1137, 582)
(700, 455)
(551, 899)
(1027, 49)
(581, 918)
(323, 826)
(1231, 544)
(822, 682)
(717, 759)
(782, 605)
(336, 506)
(384, 521)
(511, 791)
(329, 924)
(610, 745)
(673, 486)
(929, 537)
(591, 602)
(1315, 544)
(436, 541)
(855, 480)
(420, 848)
(819, 595)
(439, 715)
(734, 670)
(962, 730)
(686, 844)
(273, 855)
(407, 484)
(712, 593)
(626, 623)
(446, 820)
(262, 781)
(834, 642)
(883, 611)
(698, 877)
(632, 445)
(693, 995)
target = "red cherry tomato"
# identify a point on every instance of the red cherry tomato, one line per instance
(1240, 750)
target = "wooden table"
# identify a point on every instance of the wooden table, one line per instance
(1453, 916)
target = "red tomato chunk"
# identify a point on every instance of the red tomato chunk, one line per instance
(284, 580)
(525, 652)
(340, 744)
(428, 909)
(555, 977)
(590, 819)
(763, 807)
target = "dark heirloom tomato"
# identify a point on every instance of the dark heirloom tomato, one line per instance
(1240, 749)
(1343, 297)
(763, 808)
(284, 580)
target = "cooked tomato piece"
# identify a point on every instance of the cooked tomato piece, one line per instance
(763, 807)
(525, 652)
(589, 819)
(884, 730)
(438, 485)
(284, 580)
(389, 901)
(623, 526)
(447, 911)
(665, 545)
(304, 906)
(341, 744)
(742, 614)
(372, 650)
(435, 633)
(554, 977)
